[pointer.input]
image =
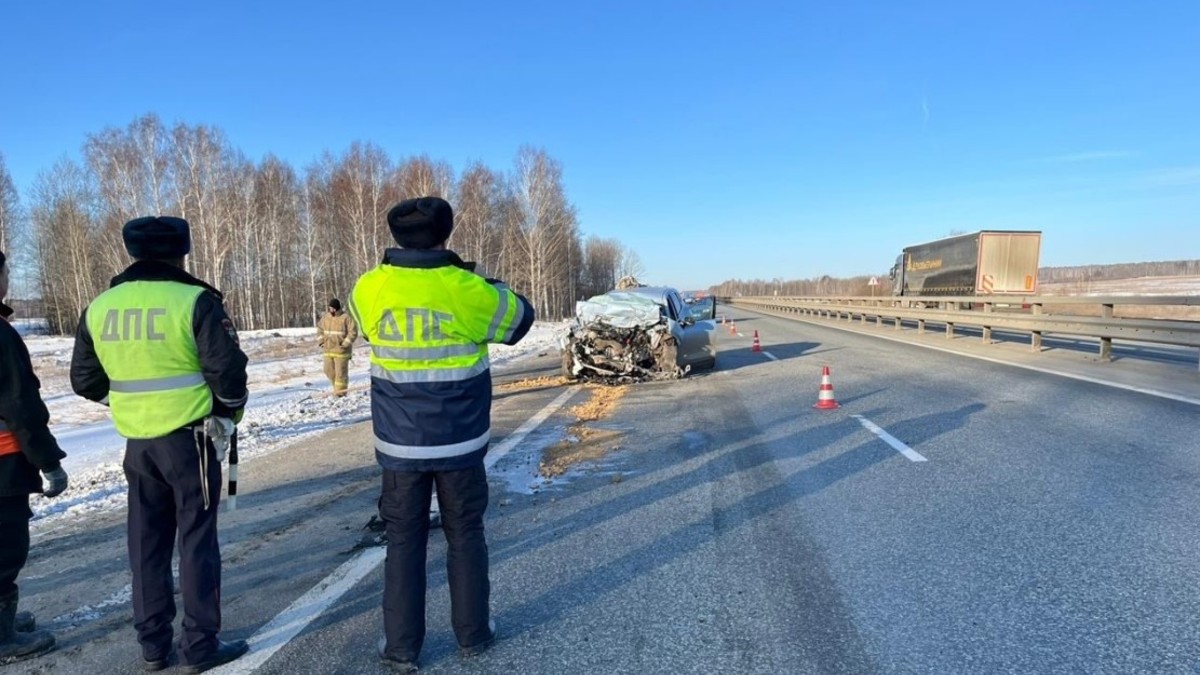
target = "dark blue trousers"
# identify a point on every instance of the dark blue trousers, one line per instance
(14, 541)
(404, 507)
(168, 478)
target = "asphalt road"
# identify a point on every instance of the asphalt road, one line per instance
(1050, 529)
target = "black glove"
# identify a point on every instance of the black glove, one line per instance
(57, 480)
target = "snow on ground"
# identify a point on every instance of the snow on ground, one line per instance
(1175, 285)
(289, 402)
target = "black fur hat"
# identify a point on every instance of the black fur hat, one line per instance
(421, 223)
(157, 237)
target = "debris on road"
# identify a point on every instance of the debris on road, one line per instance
(374, 533)
(600, 405)
(584, 443)
(543, 382)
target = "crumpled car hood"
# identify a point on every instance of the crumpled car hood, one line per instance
(619, 310)
(620, 338)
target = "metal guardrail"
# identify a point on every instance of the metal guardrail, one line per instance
(1026, 314)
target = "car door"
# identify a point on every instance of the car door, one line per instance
(675, 324)
(692, 337)
(703, 314)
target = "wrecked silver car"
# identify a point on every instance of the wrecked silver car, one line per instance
(638, 334)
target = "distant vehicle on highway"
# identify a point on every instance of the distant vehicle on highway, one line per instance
(641, 333)
(988, 262)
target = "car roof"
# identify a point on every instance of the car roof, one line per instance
(655, 293)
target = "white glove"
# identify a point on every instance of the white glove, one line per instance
(219, 430)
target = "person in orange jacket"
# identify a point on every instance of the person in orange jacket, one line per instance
(28, 452)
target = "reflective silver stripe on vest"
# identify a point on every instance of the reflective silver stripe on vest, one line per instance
(430, 374)
(498, 317)
(432, 451)
(423, 353)
(515, 322)
(160, 384)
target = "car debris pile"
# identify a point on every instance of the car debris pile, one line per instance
(628, 282)
(620, 338)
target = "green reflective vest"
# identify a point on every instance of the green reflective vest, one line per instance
(430, 325)
(142, 332)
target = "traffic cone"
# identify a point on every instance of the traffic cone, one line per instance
(825, 399)
(733, 328)
(756, 346)
(722, 319)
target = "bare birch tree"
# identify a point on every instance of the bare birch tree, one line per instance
(546, 226)
(9, 210)
(67, 234)
(279, 244)
(478, 217)
(629, 263)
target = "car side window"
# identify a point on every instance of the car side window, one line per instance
(674, 305)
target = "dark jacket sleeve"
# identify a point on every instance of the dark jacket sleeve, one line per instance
(21, 404)
(88, 378)
(221, 357)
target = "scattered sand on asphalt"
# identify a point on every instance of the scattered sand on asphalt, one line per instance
(583, 443)
(601, 404)
(534, 383)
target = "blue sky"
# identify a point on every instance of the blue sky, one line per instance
(718, 139)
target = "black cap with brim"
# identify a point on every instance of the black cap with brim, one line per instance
(157, 237)
(421, 223)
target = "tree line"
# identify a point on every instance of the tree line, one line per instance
(1168, 268)
(823, 285)
(280, 242)
(859, 286)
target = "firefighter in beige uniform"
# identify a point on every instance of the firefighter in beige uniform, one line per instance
(336, 333)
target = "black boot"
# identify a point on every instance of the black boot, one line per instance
(404, 666)
(477, 649)
(24, 622)
(16, 646)
(226, 652)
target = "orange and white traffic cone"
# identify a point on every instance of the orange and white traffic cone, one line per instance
(825, 399)
(756, 346)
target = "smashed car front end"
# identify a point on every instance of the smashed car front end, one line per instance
(620, 338)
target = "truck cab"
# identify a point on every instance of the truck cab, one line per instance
(897, 276)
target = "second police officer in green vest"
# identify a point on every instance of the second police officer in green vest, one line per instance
(160, 351)
(429, 319)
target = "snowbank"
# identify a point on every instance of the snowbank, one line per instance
(289, 403)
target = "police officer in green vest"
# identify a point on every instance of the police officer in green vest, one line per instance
(429, 318)
(160, 351)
